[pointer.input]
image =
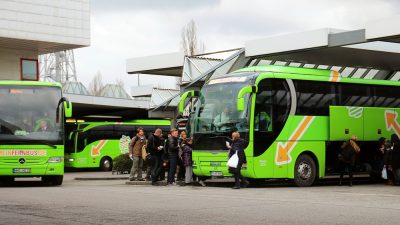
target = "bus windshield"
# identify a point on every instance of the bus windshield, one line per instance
(217, 116)
(28, 115)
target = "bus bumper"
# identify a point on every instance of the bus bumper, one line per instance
(32, 170)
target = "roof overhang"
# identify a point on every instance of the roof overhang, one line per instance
(373, 47)
(41, 47)
(170, 64)
(84, 105)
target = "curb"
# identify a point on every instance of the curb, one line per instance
(101, 178)
(159, 183)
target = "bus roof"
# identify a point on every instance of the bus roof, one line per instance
(274, 71)
(29, 83)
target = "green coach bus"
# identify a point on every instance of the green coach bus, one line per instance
(293, 119)
(31, 130)
(95, 144)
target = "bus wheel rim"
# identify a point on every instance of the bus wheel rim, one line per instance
(304, 170)
(106, 163)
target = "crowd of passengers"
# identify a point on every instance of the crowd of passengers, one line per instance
(173, 155)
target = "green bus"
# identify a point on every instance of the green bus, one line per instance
(95, 144)
(31, 130)
(293, 119)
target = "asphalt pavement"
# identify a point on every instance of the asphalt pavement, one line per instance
(274, 202)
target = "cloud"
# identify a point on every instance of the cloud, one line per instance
(137, 5)
(124, 29)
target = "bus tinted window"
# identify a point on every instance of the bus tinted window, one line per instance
(314, 98)
(356, 95)
(387, 96)
(271, 111)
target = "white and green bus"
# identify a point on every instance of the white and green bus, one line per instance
(96, 144)
(31, 130)
(293, 119)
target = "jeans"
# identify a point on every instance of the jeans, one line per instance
(188, 174)
(173, 159)
(343, 167)
(155, 172)
(238, 176)
(136, 167)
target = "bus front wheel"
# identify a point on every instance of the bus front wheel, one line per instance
(106, 164)
(304, 171)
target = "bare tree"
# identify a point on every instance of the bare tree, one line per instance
(120, 82)
(190, 44)
(96, 86)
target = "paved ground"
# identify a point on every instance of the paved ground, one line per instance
(113, 202)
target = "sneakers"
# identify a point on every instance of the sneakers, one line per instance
(140, 179)
(202, 183)
(172, 184)
(132, 179)
(236, 187)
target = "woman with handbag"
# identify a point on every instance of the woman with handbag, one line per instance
(237, 150)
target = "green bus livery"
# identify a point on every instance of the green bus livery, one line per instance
(293, 119)
(96, 144)
(31, 130)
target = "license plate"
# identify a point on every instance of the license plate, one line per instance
(22, 170)
(216, 173)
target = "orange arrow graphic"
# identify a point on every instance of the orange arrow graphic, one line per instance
(283, 150)
(391, 121)
(96, 149)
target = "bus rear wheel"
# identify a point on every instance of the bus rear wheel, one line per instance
(106, 164)
(53, 180)
(304, 171)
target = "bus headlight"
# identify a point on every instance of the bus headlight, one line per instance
(55, 159)
(70, 160)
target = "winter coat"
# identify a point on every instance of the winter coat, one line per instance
(187, 155)
(396, 155)
(153, 144)
(348, 154)
(238, 145)
(173, 147)
(136, 145)
(387, 156)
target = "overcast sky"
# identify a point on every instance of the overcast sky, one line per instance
(124, 29)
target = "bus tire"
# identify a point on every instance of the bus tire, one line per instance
(106, 164)
(6, 180)
(304, 171)
(53, 180)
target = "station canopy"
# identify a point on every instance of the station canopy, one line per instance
(371, 52)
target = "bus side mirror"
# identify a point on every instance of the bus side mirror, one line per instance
(67, 109)
(242, 93)
(184, 96)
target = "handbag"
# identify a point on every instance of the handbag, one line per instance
(233, 161)
(384, 173)
(144, 152)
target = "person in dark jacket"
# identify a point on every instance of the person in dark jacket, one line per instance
(396, 158)
(173, 154)
(387, 161)
(155, 148)
(347, 158)
(187, 160)
(181, 171)
(238, 146)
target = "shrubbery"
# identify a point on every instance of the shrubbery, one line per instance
(122, 163)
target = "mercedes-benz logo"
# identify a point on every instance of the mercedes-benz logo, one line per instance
(21, 160)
